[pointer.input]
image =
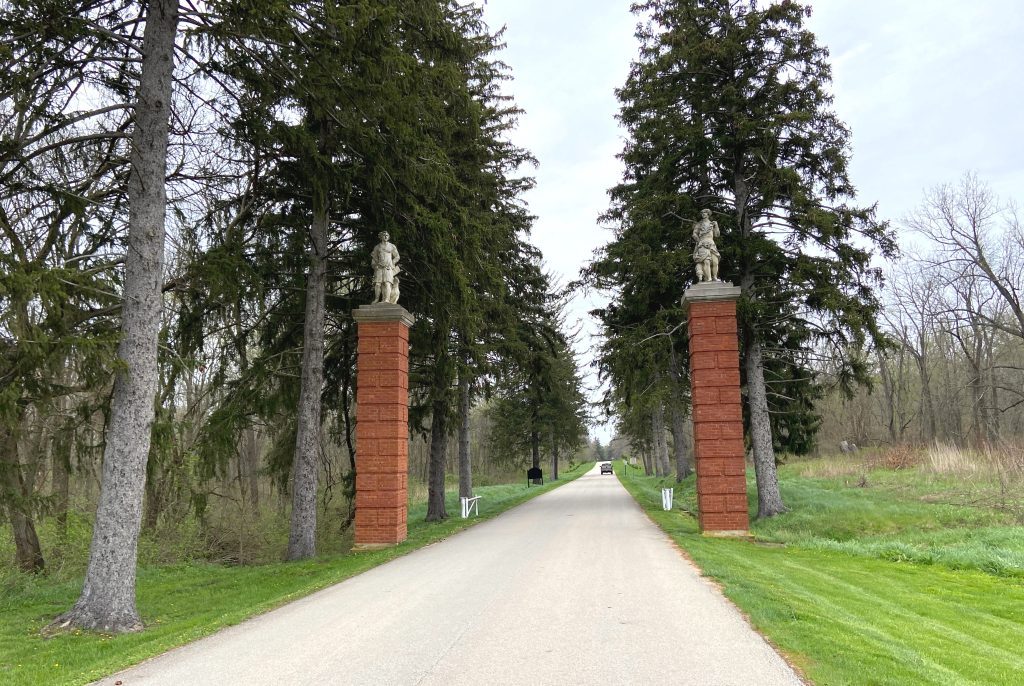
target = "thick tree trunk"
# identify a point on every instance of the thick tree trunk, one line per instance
(436, 510)
(107, 602)
(305, 466)
(465, 463)
(769, 499)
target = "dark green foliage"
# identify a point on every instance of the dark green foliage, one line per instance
(727, 108)
(539, 404)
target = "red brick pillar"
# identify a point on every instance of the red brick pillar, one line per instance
(382, 425)
(717, 413)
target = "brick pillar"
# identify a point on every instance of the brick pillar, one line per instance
(382, 425)
(717, 413)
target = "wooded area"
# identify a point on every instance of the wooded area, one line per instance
(197, 380)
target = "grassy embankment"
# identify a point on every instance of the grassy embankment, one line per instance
(874, 576)
(181, 603)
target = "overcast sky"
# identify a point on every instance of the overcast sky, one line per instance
(929, 88)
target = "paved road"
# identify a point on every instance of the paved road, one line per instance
(574, 587)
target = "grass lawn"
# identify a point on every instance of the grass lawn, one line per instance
(869, 581)
(184, 602)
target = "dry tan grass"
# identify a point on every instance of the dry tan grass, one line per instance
(1004, 461)
(946, 458)
(832, 467)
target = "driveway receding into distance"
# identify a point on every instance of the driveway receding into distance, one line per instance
(577, 586)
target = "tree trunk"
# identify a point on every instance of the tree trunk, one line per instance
(107, 602)
(889, 399)
(465, 463)
(554, 458)
(535, 448)
(436, 510)
(680, 442)
(28, 555)
(927, 404)
(769, 499)
(152, 505)
(250, 472)
(60, 489)
(305, 466)
(660, 443)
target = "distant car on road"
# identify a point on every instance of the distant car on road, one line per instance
(606, 468)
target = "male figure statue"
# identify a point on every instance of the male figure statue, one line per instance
(384, 260)
(706, 254)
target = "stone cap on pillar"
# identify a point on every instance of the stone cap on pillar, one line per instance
(383, 312)
(710, 291)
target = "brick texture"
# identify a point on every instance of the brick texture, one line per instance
(382, 433)
(717, 417)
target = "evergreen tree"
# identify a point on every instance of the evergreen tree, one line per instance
(62, 212)
(107, 602)
(727, 109)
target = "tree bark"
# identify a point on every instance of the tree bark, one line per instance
(465, 463)
(305, 466)
(60, 488)
(250, 458)
(889, 399)
(28, 555)
(535, 448)
(680, 443)
(927, 404)
(659, 442)
(152, 505)
(554, 459)
(436, 510)
(769, 499)
(107, 602)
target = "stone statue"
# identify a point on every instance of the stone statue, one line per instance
(384, 259)
(705, 254)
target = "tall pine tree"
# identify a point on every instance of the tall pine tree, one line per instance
(727, 108)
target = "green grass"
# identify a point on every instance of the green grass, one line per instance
(866, 586)
(180, 603)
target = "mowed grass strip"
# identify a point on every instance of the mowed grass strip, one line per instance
(848, 617)
(182, 603)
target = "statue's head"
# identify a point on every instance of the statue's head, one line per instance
(705, 213)
(383, 236)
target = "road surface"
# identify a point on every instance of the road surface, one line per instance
(574, 587)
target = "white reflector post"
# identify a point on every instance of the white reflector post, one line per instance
(666, 498)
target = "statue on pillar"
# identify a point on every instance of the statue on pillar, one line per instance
(705, 254)
(384, 260)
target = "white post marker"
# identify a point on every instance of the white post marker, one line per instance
(470, 505)
(666, 498)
